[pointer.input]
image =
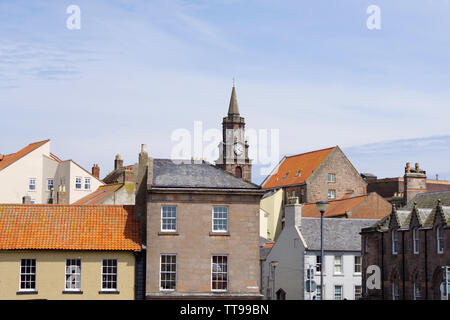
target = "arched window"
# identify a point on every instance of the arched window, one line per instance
(415, 240)
(440, 239)
(394, 242)
(238, 172)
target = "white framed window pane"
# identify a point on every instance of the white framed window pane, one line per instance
(331, 194)
(319, 292)
(73, 274)
(219, 273)
(32, 184)
(331, 177)
(28, 274)
(318, 263)
(337, 292)
(168, 273)
(50, 183)
(109, 274)
(440, 240)
(338, 264)
(169, 218)
(394, 242)
(78, 183)
(220, 219)
(87, 183)
(358, 292)
(357, 264)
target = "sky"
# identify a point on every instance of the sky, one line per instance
(136, 71)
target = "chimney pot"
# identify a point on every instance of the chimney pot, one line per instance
(96, 171)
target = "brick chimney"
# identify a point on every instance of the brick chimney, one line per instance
(293, 212)
(96, 171)
(1, 157)
(415, 181)
(118, 162)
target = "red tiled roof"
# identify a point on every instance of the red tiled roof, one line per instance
(287, 172)
(11, 158)
(336, 207)
(68, 227)
(101, 193)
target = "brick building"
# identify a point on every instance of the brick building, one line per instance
(410, 246)
(311, 177)
(400, 190)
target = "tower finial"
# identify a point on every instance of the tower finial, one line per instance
(233, 109)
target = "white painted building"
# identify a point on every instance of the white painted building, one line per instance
(34, 172)
(297, 249)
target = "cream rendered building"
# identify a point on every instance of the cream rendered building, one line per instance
(37, 174)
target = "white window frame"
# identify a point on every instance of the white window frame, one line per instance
(341, 265)
(440, 239)
(110, 274)
(69, 273)
(32, 182)
(169, 218)
(78, 182)
(217, 219)
(416, 240)
(357, 264)
(354, 291)
(341, 286)
(394, 242)
(168, 272)
(51, 185)
(331, 194)
(87, 182)
(219, 272)
(29, 273)
(333, 176)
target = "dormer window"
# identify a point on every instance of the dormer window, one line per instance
(299, 172)
(285, 176)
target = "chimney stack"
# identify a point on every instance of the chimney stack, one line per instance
(118, 162)
(293, 212)
(1, 157)
(96, 171)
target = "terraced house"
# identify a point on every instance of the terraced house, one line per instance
(69, 252)
(410, 246)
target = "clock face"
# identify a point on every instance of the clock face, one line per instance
(238, 148)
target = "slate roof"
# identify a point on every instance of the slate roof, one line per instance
(339, 234)
(287, 172)
(68, 227)
(9, 159)
(429, 200)
(191, 174)
(265, 245)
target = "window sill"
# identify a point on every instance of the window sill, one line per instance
(72, 292)
(27, 292)
(168, 233)
(338, 274)
(224, 234)
(109, 292)
(357, 274)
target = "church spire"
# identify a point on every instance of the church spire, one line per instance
(233, 109)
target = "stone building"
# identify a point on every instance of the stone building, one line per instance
(400, 190)
(201, 222)
(410, 246)
(313, 176)
(233, 150)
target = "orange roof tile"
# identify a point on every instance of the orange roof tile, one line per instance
(336, 208)
(11, 158)
(101, 193)
(287, 172)
(68, 227)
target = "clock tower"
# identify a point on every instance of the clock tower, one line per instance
(233, 150)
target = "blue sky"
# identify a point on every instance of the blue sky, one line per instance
(138, 70)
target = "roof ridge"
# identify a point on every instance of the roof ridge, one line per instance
(300, 154)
